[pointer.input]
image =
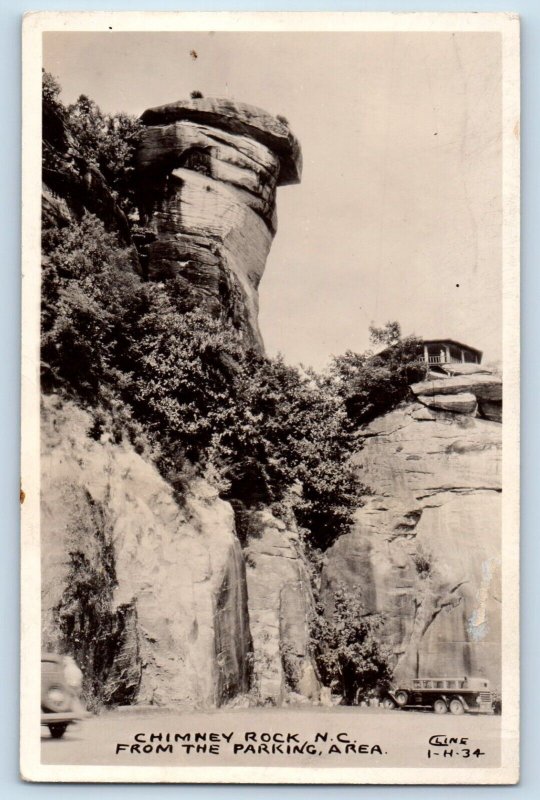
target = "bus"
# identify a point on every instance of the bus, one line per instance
(456, 695)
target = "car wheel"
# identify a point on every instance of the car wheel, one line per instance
(439, 706)
(456, 707)
(401, 698)
(58, 729)
(388, 703)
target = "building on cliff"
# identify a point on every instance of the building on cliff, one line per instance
(448, 351)
(435, 352)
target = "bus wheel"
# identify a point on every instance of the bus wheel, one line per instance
(401, 698)
(439, 706)
(456, 706)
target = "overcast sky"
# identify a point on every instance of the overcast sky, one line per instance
(398, 215)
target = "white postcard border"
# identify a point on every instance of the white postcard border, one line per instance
(35, 24)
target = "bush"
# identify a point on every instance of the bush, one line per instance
(422, 565)
(348, 651)
(372, 384)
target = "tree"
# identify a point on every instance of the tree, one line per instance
(348, 651)
(294, 423)
(182, 369)
(50, 88)
(389, 334)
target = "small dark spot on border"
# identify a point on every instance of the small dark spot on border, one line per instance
(22, 496)
(457, 285)
(193, 54)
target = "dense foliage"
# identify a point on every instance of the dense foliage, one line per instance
(264, 427)
(106, 141)
(50, 90)
(347, 647)
(88, 291)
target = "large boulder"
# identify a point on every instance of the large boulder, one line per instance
(482, 386)
(241, 120)
(461, 403)
(464, 369)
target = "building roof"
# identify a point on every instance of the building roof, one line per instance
(452, 341)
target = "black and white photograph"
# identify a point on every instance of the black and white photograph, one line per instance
(269, 485)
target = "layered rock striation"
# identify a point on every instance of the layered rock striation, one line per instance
(208, 170)
(463, 388)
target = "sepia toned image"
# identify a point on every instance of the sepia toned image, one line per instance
(270, 316)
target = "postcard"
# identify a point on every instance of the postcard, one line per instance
(270, 398)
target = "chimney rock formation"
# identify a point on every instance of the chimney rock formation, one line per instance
(208, 170)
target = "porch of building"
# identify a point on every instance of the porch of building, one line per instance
(448, 351)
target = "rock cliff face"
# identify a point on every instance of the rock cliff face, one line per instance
(208, 170)
(280, 607)
(425, 547)
(151, 597)
(157, 592)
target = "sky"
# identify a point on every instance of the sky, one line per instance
(398, 214)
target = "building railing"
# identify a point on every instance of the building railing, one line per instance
(440, 360)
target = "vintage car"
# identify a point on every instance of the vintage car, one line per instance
(456, 695)
(60, 693)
